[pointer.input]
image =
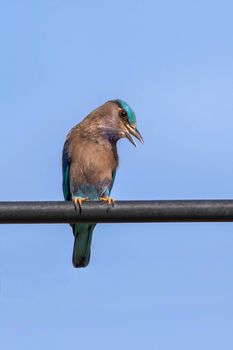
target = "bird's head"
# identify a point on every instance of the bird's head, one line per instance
(128, 121)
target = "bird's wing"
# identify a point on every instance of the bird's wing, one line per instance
(66, 173)
(107, 193)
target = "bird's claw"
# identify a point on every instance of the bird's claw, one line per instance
(78, 201)
(109, 200)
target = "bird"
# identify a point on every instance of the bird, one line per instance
(90, 161)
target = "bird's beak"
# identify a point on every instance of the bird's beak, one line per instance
(133, 131)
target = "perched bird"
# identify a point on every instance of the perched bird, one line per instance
(89, 164)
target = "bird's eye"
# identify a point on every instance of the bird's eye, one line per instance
(123, 113)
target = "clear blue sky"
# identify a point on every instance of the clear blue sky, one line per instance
(149, 286)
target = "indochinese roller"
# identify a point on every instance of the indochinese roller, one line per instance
(89, 164)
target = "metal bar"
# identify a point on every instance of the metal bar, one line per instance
(123, 211)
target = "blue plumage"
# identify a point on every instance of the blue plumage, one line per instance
(66, 174)
(130, 113)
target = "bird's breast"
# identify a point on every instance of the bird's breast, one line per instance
(92, 164)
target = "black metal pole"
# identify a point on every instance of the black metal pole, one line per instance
(123, 211)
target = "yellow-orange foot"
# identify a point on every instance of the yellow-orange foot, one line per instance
(78, 201)
(109, 200)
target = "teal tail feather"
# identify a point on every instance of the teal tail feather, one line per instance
(82, 244)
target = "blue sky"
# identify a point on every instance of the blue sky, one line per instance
(156, 286)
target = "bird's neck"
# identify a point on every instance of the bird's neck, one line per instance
(107, 131)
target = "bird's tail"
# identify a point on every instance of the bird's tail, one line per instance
(82, 244)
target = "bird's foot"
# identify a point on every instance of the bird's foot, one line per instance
(78, 201)
(109, 200)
